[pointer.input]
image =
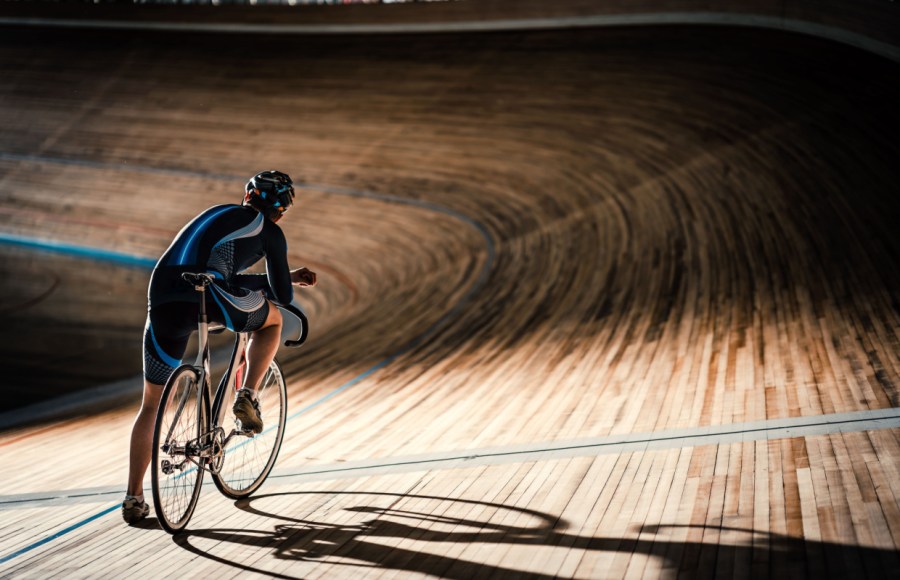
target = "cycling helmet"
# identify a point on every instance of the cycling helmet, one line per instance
(271, 193)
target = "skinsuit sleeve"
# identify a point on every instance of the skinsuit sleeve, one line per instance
(276, 282)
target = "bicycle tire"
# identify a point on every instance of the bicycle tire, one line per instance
(249, 460)
(182, 417)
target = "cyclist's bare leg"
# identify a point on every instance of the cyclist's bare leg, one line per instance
(262, 347)
(142, 438)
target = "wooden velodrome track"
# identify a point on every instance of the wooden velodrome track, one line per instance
(592, 304)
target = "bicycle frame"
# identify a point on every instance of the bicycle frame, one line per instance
(202, 443)
(214, 403)
(229, 383)
(214, 412)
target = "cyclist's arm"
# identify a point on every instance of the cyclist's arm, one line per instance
(278, 272)
(276, 282)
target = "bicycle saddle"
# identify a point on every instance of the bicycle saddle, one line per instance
(197, 280)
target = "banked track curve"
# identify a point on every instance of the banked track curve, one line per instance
(471, 289)
(693, 228)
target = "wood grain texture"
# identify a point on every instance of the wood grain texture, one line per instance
(685, 228)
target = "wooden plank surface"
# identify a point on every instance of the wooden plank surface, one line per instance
(522, 239)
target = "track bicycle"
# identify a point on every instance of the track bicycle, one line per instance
(196, 430)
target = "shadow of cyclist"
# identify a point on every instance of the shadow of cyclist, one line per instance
(362, 544)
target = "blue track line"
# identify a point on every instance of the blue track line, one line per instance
(77, 251)
(49, 539)
(141, 261)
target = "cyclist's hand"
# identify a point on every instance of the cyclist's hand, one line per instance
(303, 277)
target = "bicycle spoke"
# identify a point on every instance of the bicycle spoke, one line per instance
(248, 459)
(176, 475)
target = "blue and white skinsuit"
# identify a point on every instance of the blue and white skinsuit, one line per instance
(224, 240)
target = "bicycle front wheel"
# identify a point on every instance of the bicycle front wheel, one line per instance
(249, 458)
(176, 475)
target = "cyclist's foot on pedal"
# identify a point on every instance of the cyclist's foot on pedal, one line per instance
(246, 408)
(134, 510)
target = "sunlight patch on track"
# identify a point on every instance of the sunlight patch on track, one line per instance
(772, 429)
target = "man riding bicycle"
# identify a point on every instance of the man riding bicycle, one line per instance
(223, 241)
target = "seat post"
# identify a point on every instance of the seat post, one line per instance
(203, 318)
(202, 331)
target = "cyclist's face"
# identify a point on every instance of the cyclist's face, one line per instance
(283, 203)
(284, 198)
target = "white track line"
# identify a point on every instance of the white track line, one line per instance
(635, 442)
(546, 451)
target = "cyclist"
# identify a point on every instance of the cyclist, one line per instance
(223, 241)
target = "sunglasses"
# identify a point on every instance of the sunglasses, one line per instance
(284, 197)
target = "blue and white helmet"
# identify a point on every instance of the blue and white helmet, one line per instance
(271, 193)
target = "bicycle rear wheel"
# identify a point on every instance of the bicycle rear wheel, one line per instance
(180, 421)
(249, 458)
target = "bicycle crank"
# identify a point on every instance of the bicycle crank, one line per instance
(217, 451)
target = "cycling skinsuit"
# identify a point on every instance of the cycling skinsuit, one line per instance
(223, 241)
